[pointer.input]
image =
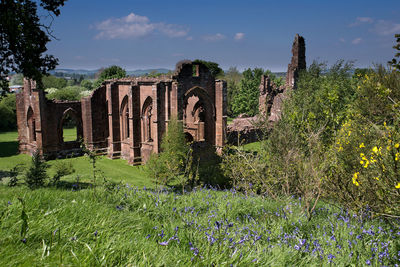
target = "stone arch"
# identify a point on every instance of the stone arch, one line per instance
(199, 115)
(147, 110)
(188, 137)
(31, 125)
(70, 114)
(124, 119)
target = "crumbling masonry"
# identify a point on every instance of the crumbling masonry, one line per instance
(245, 129)
(126, 118)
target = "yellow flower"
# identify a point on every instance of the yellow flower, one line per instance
(397, 156)
(388, 148)
(375, 149)
(362, 145)
(361, 162)
(397, 145)
(355, 177)
(376, 178)
(398, 186)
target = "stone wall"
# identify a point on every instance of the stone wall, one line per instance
(271, 98)
(127, 118)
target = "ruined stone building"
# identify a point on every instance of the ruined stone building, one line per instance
(245, 129)
(126, 117)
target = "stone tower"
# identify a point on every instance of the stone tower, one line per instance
(298, 61)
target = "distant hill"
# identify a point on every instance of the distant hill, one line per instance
(92, 72)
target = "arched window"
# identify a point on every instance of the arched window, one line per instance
(124, 118)
(31, 125)
(146, 120)
(69, 124)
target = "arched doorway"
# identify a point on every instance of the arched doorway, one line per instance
(71, 127)
(124, 119)
(199, 115)
(146, 120)
(31, 125)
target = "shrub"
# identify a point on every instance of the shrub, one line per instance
(173, 160)
(62, 168)
(36, 175)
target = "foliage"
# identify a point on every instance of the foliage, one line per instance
(17, 79)
(246, 99)
(214, 68)
(232, 78)
(62, 168)
(71, 93)
(24, 38)
(364, 161)
(395, 63)
(87, 84)
(173, 160)
(14, 173)
(205, 227)
(36, 175)
(111, 72)
(243, 90)
(8, 115)
(51, 81)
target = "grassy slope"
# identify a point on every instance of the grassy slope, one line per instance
(115, 170)
(133, 227)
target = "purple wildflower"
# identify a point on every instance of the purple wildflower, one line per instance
(165, 243)
(23, 240)
(95, 233)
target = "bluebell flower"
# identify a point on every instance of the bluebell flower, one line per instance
(368, 262)
(9, 203)
(95, 233)
(23, 240)
(165, 243)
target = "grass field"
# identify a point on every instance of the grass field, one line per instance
(114, 170)
(126, 226)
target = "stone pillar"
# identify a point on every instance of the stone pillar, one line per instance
(114, 144)
(155, 119)
(174, 99)
(135, 122)
(297, 63)
(220, 113)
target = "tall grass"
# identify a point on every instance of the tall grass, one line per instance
(130, 226)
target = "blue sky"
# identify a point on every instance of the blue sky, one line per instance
(251, 33)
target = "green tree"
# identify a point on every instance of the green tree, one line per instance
(71, 93)
(246, 99)
(87, 84)
(232, 78)
(216, 71)
(111, 72)
(51, 81)
(395, 63)
(17, 79)
(36, 175)
(171, 164)
(24, 38)
(8, 115)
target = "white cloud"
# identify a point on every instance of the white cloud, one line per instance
(356, 41)
(361, 20)
(383, 27)
(215, 37)
(239, 36)
(135, 26)
(189, 38)
(342, 40)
